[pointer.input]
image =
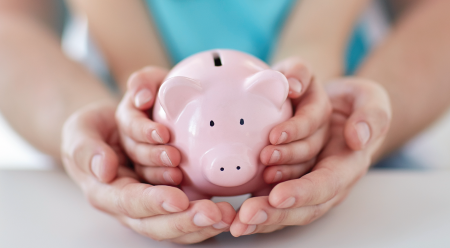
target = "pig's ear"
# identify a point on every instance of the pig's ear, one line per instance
(269, 84)
(176, 92)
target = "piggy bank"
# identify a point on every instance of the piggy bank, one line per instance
(219, 107)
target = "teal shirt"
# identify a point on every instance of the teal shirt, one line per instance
(190, 26)
(253, 26)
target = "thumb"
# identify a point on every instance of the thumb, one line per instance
(368, 107)
(144, 85)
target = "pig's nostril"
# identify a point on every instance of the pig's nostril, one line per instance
(222, 169)
(238, 168)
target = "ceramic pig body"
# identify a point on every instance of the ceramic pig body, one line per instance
(220, 107)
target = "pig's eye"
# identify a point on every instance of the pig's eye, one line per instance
(211, 123)
(242, 122)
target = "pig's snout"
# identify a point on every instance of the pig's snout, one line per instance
(229, 166)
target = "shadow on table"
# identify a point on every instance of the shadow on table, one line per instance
(399, 160)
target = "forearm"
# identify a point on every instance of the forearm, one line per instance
(39, 86)
(125, 34)
(413, 66)
(318, 31)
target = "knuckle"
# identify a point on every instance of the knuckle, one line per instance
(142, 229)
(309, 197)
(76, 153)
(130, 146)
(287, 155)
(295, 128)
(314, 214)
(334, 182)
(149, 201)
(132, 80)
(382, 120)
(281, 217)
(309, 126)
(94, 202)
(308, 150)
(124, 202)
(135, 126)
(179, 227)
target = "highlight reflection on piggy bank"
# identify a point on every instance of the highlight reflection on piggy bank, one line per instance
(220, 107)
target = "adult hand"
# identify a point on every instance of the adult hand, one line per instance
(359, 123)
(93, 157)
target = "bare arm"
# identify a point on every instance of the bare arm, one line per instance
(39, 86)
(318, 31)
(413, 65)
(125, 34)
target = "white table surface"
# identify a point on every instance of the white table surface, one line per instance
(386, 209)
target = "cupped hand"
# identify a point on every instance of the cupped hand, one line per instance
(143, 139)
(359, 123)
(295, 143)
(94, 158)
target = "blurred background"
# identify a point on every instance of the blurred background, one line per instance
(428, 150)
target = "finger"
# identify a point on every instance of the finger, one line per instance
(368, 106)
(281, 173)
(228, 214)
(144, 85)
(159, 175)
(295, 152)
(239, 228)
(151, 155)
(311, 113)
(84, 144)
(137, 125)
(259, 213)
(268, 228)
(199, 215)
(298, 73)
(95, 157)
(329, 177)
(128, 197)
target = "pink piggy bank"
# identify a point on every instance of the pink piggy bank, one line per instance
(220, 107)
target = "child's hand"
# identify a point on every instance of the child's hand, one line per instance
(143, 139)
(359, 124)
(296, 142)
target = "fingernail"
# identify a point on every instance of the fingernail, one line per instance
(289, 202)
(220, 225)
(201, 220)
(260, 217)
(168, 178)
(142, 97)
(250, 229)
(170, 208)
(96, 165)
(165, 159)
(363, 131)
(295, 85)
(277, 177)
(156, 137)
(282, 138)
(275, 157)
